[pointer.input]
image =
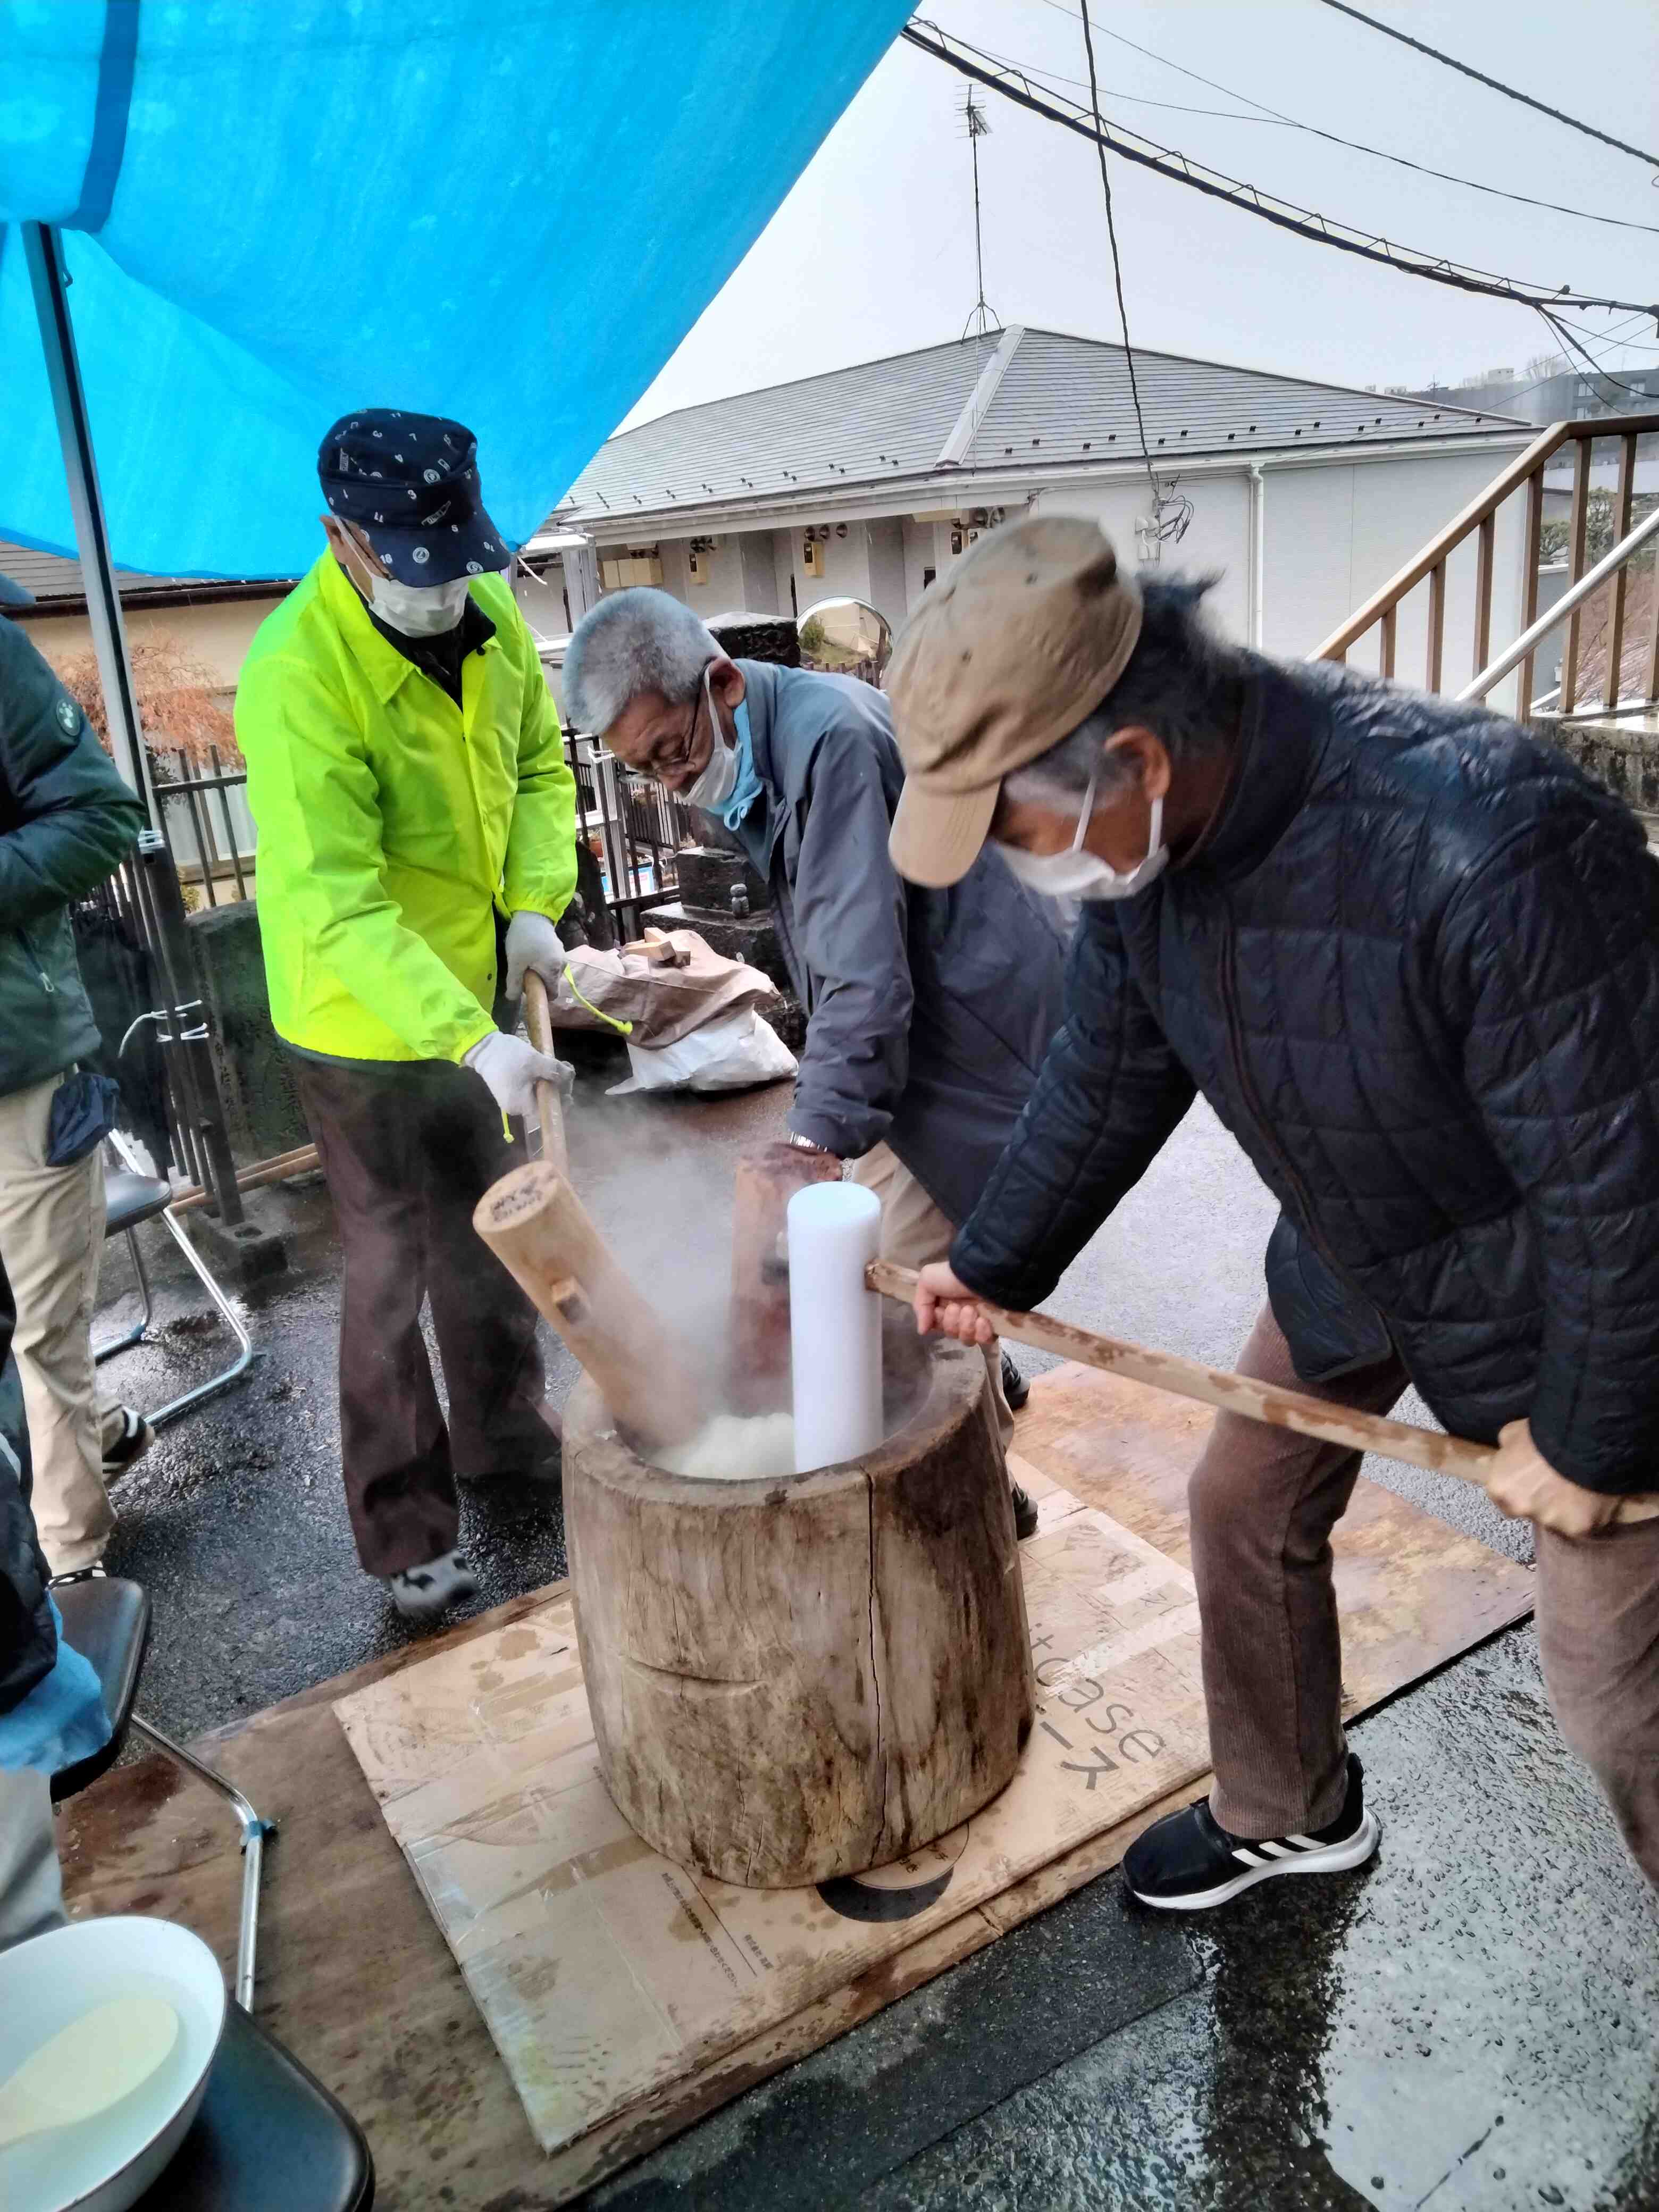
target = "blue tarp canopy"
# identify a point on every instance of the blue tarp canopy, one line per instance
(510, 211)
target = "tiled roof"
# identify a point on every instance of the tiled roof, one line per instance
(1059, 399)
(50, 576)
(57, 583)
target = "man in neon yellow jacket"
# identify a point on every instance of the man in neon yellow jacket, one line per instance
(417, 824)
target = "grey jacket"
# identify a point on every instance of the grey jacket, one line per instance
(928, 1011)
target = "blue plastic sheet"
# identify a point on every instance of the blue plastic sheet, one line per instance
(510, 211)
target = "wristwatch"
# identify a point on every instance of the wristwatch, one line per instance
(799, 1144)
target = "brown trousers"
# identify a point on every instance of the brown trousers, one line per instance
(1264, 1502)
(408, 1150)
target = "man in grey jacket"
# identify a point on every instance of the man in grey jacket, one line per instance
(928, 1013)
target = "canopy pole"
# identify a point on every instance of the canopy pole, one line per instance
(109, 638)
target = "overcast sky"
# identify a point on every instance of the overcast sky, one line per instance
(872, 252)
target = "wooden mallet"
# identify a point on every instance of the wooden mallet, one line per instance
(549, 1106)
(1239, 1394)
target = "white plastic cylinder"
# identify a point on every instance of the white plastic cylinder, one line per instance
(835, 1323)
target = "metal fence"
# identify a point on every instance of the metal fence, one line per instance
(630, 825)
(205, 819)
(633, 828)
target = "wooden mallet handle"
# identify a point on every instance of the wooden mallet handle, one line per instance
(549, 1104)
(1238, 1393)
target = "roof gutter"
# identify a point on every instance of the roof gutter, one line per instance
(982, 488)
(136, 599)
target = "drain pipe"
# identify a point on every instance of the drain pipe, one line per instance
(1258, 528)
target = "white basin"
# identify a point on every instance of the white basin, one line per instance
(104, 2163)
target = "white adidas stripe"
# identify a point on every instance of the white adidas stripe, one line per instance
(1279, 1851)
(1248, 1858)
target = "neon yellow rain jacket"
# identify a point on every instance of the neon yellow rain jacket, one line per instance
(391, 824)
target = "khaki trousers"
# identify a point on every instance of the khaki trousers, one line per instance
(914, 1232)
(51, 1232)
(1264, 1502)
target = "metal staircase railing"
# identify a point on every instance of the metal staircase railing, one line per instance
(1524, 477)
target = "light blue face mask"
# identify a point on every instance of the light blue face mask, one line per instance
(730, 784)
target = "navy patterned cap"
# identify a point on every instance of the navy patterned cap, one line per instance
(410, 483)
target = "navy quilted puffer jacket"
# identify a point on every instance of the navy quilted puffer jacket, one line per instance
(1413, 965)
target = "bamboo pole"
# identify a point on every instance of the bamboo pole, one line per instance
(1238, 1393)
(302, 1160)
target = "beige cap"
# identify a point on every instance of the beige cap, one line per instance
(1022, 639)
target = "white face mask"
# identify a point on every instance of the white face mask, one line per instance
(1078, 874)
(419, 610)
(720, 779)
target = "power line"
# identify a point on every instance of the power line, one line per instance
(1574, 346)
(1182, 169)
(1480, 77)
(1333, 138)
(1117, 266)
(1170, 513)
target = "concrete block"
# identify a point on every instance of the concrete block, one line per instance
(706, 877)
(257, 1249)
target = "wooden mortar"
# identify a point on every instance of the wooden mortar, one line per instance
(800, 1678)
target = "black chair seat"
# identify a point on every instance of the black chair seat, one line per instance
(131, 1198)
(269, 2138)
(107, 1621)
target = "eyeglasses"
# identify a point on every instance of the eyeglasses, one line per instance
(671, 763)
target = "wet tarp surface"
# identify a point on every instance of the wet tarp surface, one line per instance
(509, 211)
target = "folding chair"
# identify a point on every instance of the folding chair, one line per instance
(132, 1197)
(107, 1621)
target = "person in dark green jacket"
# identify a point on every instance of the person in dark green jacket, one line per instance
(66, 822)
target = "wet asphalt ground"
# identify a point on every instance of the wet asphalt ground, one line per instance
(1471, 2021)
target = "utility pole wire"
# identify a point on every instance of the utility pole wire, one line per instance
(1495, 84)
(1117, 267)
(1182, 169)
(1266, 114)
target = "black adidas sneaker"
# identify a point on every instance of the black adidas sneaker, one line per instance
(1187, 1861)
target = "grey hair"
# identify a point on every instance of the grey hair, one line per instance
(633, 641)
(1182, 683)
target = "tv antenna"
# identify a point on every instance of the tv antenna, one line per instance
(976, 125)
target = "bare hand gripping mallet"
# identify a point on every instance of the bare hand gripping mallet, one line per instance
(1239, 1394)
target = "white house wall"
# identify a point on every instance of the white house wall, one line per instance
(888, 588)
(1334, 534)
(1218, 537)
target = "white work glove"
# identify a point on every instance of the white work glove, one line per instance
(513, 1068)
(531, 942)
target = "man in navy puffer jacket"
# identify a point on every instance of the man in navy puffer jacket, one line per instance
(1410, 957)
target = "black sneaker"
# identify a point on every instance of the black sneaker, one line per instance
(1015, 1389)
(1187, 1861)
(1025, 1512)
(423, 1593)
(126, 1437)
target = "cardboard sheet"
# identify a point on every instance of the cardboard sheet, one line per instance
(605, 1970)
